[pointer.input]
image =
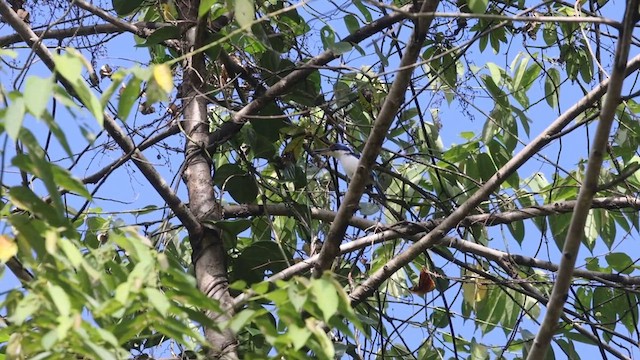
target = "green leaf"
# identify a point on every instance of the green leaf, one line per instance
(496, 93)
(205, 6)
(71, 252)
(495, 71)
(258, 258)
(65, 180)
(244, 13)
(519, 73)
(60, 300)
(340, 48)
(25, 308)
(241, 319)
(240, 185)
(14, 116)
(551, 86)
(160, 35)
(352, 24)
(69, 66)
(620, 262)
(128, 98)
(25, 198)
(125, 7)
(326, 297)
(516, 228)
(39, 91)
(590, 232)
(59, 134)
(478, 6)
(158, 300)
(530, 76)
(550, 34)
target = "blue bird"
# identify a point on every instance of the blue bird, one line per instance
(345, 155)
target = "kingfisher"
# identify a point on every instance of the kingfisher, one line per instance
(349, 160)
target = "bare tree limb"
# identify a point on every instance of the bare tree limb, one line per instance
(414, 232)
(588, 188)
(493, 219)
(95, 177)
(60, 34)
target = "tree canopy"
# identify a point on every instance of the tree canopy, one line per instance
(163, 195)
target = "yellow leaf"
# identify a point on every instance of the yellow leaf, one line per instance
(8, 248)
(164, 78)
(474, 289)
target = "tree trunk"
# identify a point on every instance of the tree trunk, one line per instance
(208, 252)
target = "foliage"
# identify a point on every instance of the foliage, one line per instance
(111, 266)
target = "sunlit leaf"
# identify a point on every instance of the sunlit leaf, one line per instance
(163, 76)
(244, 13)
(8, 248)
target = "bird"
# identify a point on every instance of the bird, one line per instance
(348, 158)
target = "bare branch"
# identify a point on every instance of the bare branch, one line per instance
(59, 34)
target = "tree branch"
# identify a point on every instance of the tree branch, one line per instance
(154, 178)
(389, 109)
(95, 177)
(228, 129)
(60, 34)
(367, 288)
(414, 232)
(507, 217)
(588, 188)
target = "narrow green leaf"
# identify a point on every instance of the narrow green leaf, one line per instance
(128, 97)
(14, 116)
(551, 86)
(158, 300)
(363, 10)
(71, 251)
(352, 24)
(39, 91)
(519, 73)
(65, 180)
(495, 71)
(60, 299)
